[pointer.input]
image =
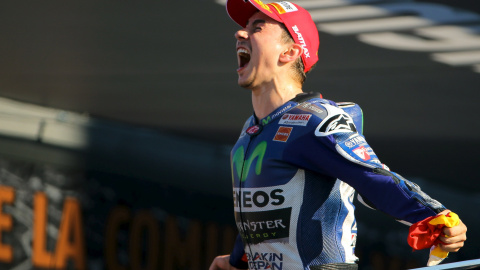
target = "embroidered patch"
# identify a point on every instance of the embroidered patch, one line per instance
(362, 153)
(357, 150)
(337, 123)
(354, 141)
(295, 119)
(282, 134)
(284, 7)
(254, 130)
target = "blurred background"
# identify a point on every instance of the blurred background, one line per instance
(117, 119)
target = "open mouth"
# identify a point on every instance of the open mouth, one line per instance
(243, 57)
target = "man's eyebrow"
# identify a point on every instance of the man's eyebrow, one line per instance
(257, 22)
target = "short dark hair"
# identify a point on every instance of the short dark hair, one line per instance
(298, 67)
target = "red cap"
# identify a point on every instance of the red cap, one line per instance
(297, 20)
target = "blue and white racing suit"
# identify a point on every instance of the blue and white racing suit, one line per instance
(291, 208)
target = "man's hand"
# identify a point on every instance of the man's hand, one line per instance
(454, 237)
(445, 227)
(222, 263)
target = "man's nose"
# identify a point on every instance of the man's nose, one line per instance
(241, 34)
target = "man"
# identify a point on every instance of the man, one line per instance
(291, 209)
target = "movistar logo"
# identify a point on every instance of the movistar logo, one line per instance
(238, 160)
(266, 120)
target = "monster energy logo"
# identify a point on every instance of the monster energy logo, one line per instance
(239, 157)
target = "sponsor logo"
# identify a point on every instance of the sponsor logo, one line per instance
(284, 6)
(254, 130)
(282, 111)
(264, 6)
(267, 260)
(282, 134)
(254, 226)
(238, 160)
(269, 118)
(266, 120)
(337, 123)
(362, 153)
(301, 40)
(357, 140)
(271, 226)
(406, 33)
(249, 199)
(313, 108)
(354, 240)
(295, 119)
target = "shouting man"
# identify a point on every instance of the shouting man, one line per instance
(300, 158)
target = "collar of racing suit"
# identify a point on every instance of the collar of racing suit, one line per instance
(306, 96)
(299, 98)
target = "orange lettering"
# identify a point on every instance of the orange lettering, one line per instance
(118, 216)
(7, 195)
(144, 220)
(71, 241)
(178, 251)
(40, 257)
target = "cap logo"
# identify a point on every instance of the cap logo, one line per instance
(264, 6)
(302, 41)
(284, 6)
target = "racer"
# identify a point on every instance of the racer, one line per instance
(300, 158)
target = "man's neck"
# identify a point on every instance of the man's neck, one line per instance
(266, 99)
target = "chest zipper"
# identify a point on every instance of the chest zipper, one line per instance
(241, 213)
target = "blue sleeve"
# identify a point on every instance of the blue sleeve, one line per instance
(333, 147)
(237, 255)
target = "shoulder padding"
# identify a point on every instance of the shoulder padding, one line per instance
(355, 112)
(336, 121)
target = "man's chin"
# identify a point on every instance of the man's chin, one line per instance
(245, 83)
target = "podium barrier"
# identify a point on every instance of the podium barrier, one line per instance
(470, 264)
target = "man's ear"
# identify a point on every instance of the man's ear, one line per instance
(291, 53)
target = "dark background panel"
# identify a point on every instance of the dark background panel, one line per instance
(157, 81)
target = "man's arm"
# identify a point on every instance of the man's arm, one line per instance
(351, 159)
(222, 263)
(235, 261)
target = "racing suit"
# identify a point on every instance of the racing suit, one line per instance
(291, 208)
